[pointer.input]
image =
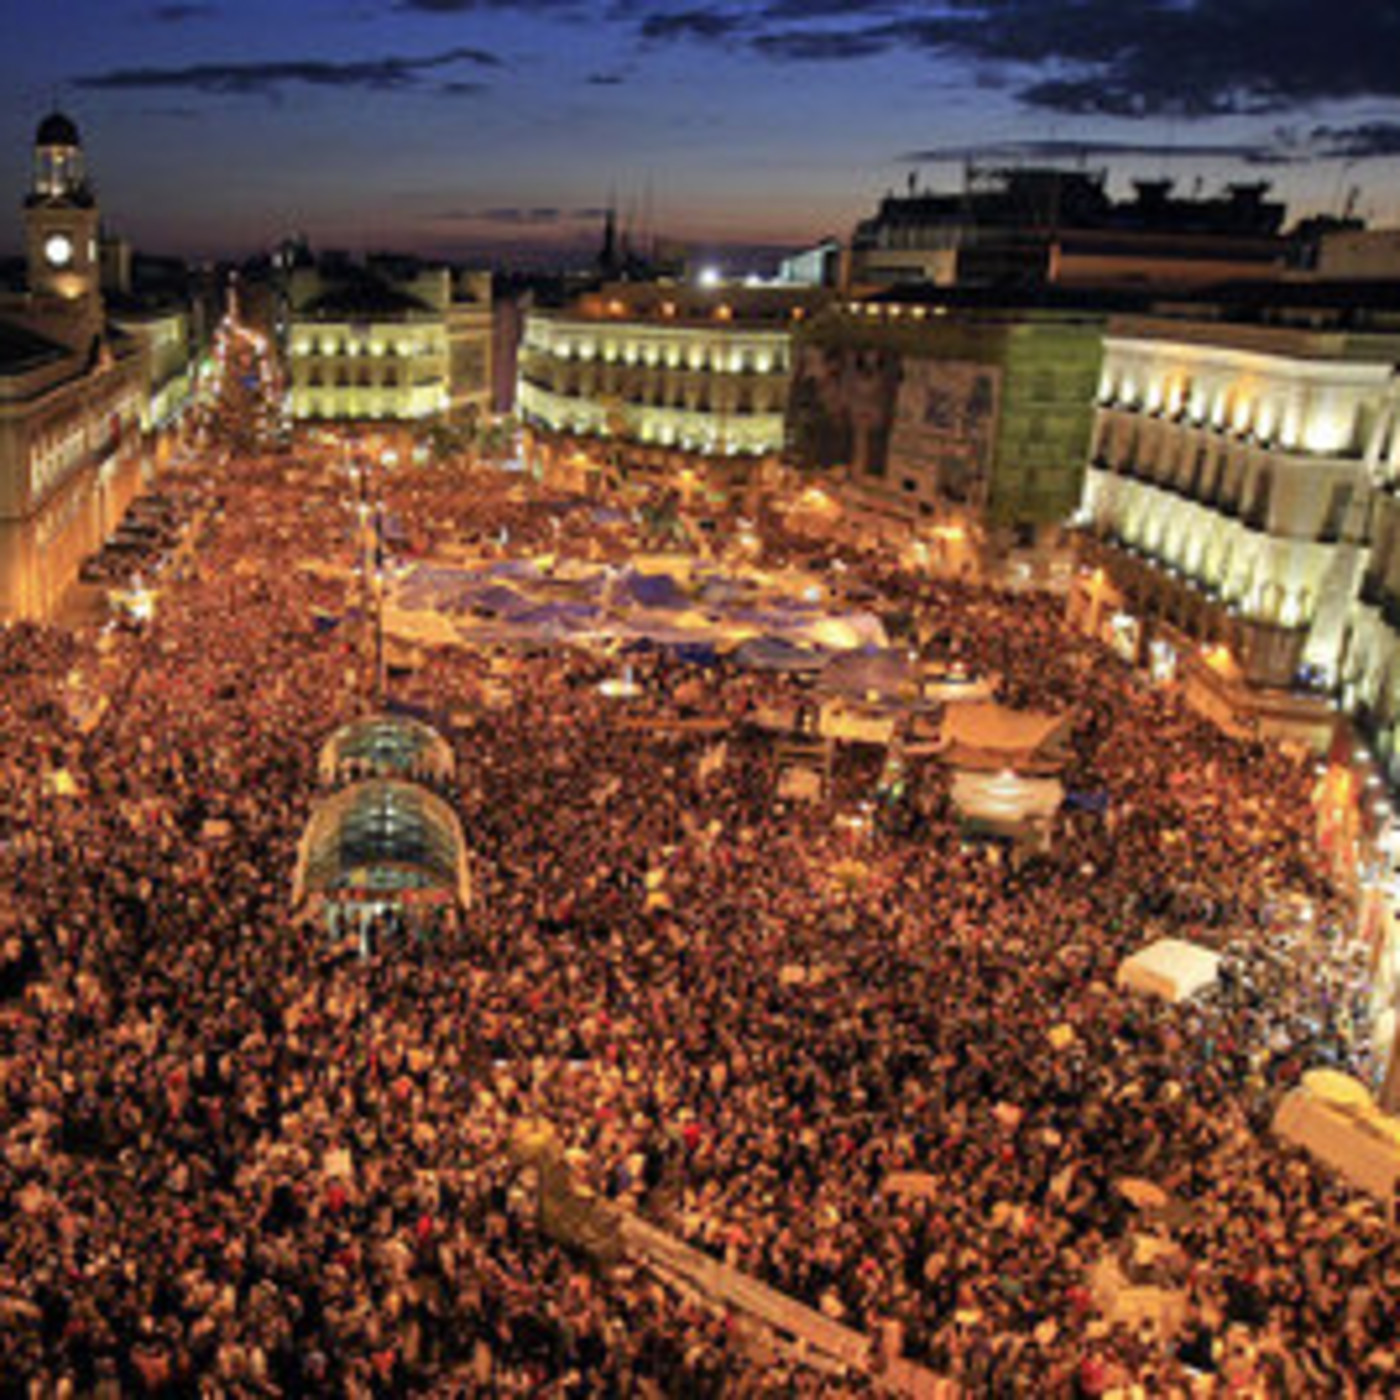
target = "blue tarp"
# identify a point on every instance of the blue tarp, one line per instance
(696, 653)
(504, 602)
(647, 591)
(777, 654)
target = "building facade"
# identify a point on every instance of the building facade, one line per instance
(388, 340)
(931, 417)
(72, 394)
(1230, 485)
(656, 380)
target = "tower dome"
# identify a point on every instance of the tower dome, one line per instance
(57, 130)
(58, 163)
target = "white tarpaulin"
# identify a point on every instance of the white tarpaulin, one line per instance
(1355, 1139)
(1171, 968)
(1006, 799)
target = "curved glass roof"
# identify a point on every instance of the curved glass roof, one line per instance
(387, 746)
(382, 835)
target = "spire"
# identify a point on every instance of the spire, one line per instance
(607, 255)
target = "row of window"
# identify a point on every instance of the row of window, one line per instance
(713, 360)
(1336, 430)
(346, 377)
(1221, 481)
(56, 453)
(304, 349)
(743, 400)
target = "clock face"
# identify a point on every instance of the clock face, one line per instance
(58, 249)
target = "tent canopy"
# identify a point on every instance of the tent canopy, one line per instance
(1170, 968)
(987, 735)
(385, 836)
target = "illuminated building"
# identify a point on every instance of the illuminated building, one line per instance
(72, 395)
(659, 380)
(1370, 665)
(1231, 478)
(936, 412)
(387, 340)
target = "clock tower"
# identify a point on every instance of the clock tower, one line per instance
(61, 228)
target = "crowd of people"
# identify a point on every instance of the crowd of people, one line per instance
(883, 1068)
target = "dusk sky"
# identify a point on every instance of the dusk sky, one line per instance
(478, 127)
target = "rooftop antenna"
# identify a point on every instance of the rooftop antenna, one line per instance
(1340, 202)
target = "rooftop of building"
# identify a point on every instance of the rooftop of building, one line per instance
(1045, 198)
(23, 350)
(57, 129)
(689, 304)
(360, 296)
(1295, 302)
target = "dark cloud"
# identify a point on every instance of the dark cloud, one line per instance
(1284, 146)
(693, 24)
(1147, 58)
(605, 80)
(462, 89)
(788, 10)
(1366, 141)
(244, 79)
(179, 13)
(820, 46)
(467, 7)
(1276, 151)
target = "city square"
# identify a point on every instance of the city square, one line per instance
(245, 1150)
(746, 788)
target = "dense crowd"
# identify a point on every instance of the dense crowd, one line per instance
(242, 1158)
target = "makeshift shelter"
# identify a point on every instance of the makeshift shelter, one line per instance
(872, 673)
(1346, 1132)
(854, 724)
(386, 746)
(983, 736)
(383, 839)
(1007, 804)
(1170, 968)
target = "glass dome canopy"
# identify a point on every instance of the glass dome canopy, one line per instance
(382, 835)
(386, 746)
